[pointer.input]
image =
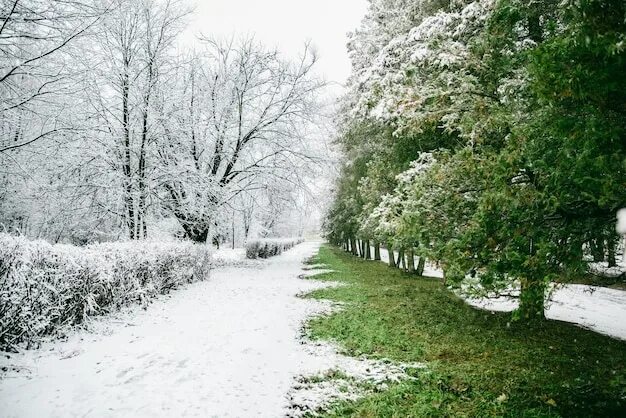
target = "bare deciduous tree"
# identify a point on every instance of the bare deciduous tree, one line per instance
(135, 44)
(36, 40)
(244, 123)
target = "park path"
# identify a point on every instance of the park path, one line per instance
(228, 346)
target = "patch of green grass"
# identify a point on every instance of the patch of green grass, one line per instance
(479, 363)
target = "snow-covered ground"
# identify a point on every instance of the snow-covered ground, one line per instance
(229, 346)
(229, 257)
(597, 308)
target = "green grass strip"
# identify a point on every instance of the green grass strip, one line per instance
(479, 363)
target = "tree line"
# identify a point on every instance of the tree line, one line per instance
(109, 124)
(488, 137)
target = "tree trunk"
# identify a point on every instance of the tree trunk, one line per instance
(141, 169)
(624, 252)
(534, 23)
(353, 247)
(233, 229)
(377, 251)
(610, 245)
(127, 162)
(368, 250)
(398, 262)
(532, 300)
(401, 259)
(597, 250)
(420, 266)
(392, 257)
(411, 260)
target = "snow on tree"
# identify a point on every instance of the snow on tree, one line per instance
(244, 127)
(529, 150)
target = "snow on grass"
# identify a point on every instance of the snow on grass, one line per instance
(233, 257)
(342, 378)
(602, 269)
(315, 266)
(310, 396)
(331, 376)
(311, 273)
(229, 255)
(596, 308)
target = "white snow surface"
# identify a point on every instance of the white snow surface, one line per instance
(230, 257)
(597, 308)
(230, 346)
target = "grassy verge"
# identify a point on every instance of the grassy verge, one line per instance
(479, 364)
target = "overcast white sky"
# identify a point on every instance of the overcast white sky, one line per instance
(286, 24)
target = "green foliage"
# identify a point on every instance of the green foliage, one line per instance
(528, 134)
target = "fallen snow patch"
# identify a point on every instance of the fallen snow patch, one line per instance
(315, 266)
(338, 377)
(602, 269)
(597, 308)
(234, 257)
(316, 272)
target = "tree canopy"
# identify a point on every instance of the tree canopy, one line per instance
(488, 136)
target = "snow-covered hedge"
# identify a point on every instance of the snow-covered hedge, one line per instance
(44, 287)
(265, 248)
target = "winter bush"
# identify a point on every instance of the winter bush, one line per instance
(45, 287)
(265, 248)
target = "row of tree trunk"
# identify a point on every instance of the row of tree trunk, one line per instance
(405, 259)
(603, 248)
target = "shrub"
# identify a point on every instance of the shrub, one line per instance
(45, 287)
(265, 248)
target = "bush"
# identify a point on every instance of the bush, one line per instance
(265, 248)
(45, 287)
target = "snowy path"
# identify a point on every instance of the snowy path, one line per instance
(225, 347)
